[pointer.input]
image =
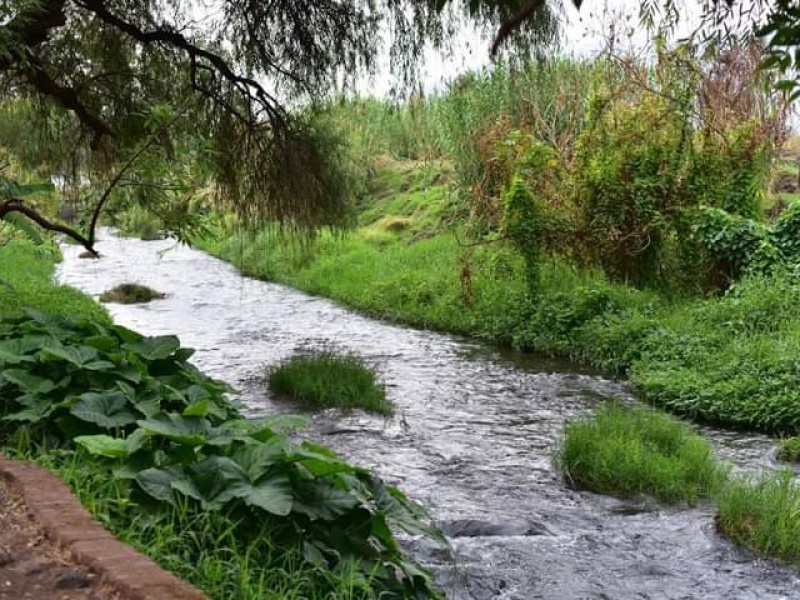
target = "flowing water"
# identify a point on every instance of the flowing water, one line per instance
(472, 438)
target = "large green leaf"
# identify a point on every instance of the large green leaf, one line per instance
(108, 410)
(19, 350)
(155, 348)
(83, 357)
(273, 494)
(192, 431)
(103, 445)
(157, 483)
(28, 382)
(256, 459)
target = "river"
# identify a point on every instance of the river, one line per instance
(472, 438)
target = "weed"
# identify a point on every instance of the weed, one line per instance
(763, 515)
(631, 451)
(326, 379)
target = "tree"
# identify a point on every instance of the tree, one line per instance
(118, 89)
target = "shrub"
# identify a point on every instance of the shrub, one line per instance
(762, 515)
(326, 379)
(631, 451)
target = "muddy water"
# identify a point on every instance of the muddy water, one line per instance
(472, 438)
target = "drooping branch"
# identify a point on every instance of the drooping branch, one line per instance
(512, 24)
(68, 98)
(17, 205)
(249, 88)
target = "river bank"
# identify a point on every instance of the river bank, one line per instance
(135, 430)
(472, 438)
(728, 360)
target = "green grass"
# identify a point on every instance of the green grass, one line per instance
(728, 360)
(632, 451)
(326, 379)
(26, 282)
(789, 450)
(763, 515)
(130, 293)
(211, 549)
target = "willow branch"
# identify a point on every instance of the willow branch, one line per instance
(18, 206)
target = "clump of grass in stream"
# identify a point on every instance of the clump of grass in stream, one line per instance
(325, 379)
(789, 450)
(130, 293)
(763, 515)
(631, 451)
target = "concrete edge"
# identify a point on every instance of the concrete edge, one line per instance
(63, 519)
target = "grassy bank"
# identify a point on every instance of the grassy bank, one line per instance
(728, 360)
(156, 452)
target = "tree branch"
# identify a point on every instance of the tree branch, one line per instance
(510, 25)
(17, 205)
(249, 88)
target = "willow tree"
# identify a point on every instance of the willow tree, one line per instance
(120, 94)
(125, 93)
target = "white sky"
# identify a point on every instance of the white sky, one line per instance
(584, 34)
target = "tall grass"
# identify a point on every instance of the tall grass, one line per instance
(325, 378)
(546, 97)
(763, 515)
(632, 451)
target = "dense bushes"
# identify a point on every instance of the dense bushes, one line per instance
(729, 360)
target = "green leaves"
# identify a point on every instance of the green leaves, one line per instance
(109, 410)
(134, 405)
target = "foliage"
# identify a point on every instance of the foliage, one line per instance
(763, 515)
(130, 293)
(729, 360)
(632, 451)
(789, 450)
(325, 378)
(172, 436)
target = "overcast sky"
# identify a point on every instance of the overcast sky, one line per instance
(584, 34)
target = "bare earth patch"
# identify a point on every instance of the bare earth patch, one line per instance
(32, 567)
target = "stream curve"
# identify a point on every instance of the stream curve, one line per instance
(472, 438)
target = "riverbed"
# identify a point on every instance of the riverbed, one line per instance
(472, 437)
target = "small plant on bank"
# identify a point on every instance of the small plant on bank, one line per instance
(763, 515)
(326, 379)
(631, 451)
(131, 293)
(789, 450)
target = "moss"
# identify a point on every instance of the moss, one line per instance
(131, 293)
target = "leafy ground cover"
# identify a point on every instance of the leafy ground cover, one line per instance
(153, 446)
(633, 451)
(325, 379)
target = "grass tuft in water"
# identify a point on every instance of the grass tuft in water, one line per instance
(130, 293)
(326, 379)
(789, 450)
(763, 515)
(631, 451)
